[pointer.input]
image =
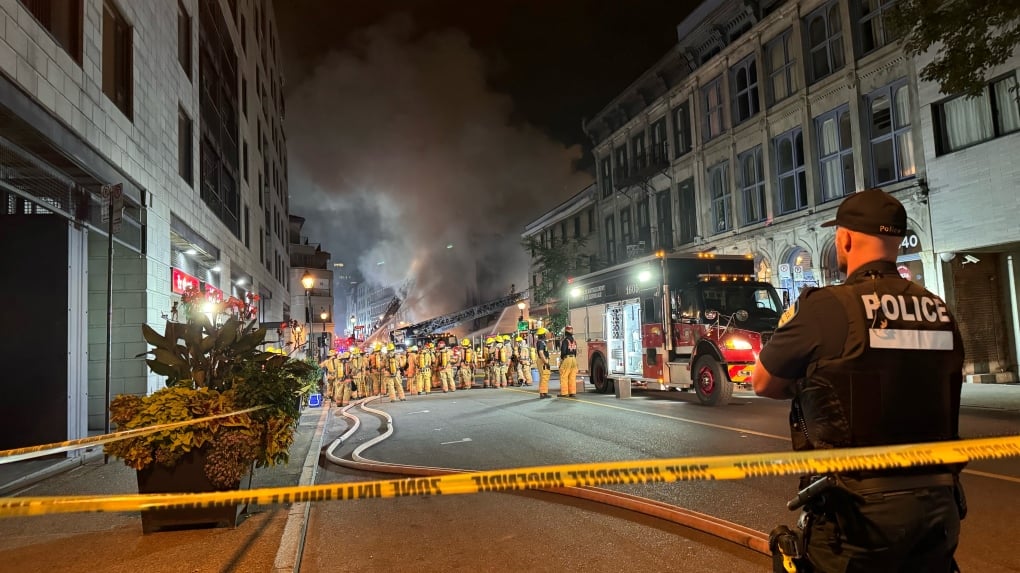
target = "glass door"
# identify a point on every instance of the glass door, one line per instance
(614, 337)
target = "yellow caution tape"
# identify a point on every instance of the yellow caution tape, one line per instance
(574, 475)
(19, 454)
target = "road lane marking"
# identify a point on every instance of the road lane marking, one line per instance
(455, 442)
(767, 435)
(418, 412)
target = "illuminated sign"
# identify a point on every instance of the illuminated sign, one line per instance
(213, 294)
(181, 281)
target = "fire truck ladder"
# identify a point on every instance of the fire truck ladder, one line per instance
(447, 320)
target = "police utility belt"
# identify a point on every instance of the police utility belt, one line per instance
(866, 489)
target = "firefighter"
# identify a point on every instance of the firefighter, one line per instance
(375, 370)
(332, 368)
(391, 374)
(568, 364)
(486, 358)
(345, 380)
(411, 369)
(356, 366)
(467, 365)
(524, 361)
(445, 367)
(544, 362)
(424, 371)
(502, 362)
(877, 360)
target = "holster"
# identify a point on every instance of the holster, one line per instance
(787, 549)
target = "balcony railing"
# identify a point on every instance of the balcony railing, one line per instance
(645, 167)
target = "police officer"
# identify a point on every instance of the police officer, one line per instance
(568, 364)
(877, 360)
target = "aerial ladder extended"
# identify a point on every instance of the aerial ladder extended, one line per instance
(438, 323)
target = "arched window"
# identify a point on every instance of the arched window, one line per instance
(796, 272)
(831, 275)
(762, 269)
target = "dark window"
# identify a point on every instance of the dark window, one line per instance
(184, 38)
(625, 231)
(872, 28)
(220, 149)
(719, 193)
(185, 149)
(659, 152)
(247, 228)
(563, 231)
(591, 220)
(62, 19)
(687, 211)
(262, 245)
(791, 180)
(751, 180)
(117, 58)
(681, 130)
(244, 166)
(962, 121)
(664, 214)
(644, 224)
(244, 95)
(744, 85)
(243, 28)
(779, 60)
(577, 227)
(620, 171)
(637, 146)
(610, 230)
(892, 148)
(835, 153)
(712, 100)
(824, 39)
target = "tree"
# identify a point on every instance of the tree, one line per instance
(971, 37)
(556, 264)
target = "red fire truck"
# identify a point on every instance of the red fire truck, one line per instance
(673, 321)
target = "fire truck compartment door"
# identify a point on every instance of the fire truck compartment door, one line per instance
(623, 337)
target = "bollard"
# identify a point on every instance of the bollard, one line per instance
(622, 388)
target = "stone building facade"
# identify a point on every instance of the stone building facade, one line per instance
(181, 103)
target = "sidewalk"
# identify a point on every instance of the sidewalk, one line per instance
(114, 542)
(991, 396)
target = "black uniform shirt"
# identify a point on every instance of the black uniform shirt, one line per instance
(568, 347)
(813, 328)
(542, 350)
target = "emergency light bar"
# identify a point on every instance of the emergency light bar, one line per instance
(735, 278)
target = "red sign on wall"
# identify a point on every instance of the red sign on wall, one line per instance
(181, 281)
(213, 294)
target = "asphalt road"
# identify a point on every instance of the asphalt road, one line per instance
(491, 429)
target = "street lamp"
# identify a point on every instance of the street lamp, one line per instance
(308, 281)
(323, 315)
(521, 306)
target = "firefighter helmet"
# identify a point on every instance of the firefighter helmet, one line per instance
(345, 355)
(390, 347)
(542, 331)
(466, 343)
(355, 350)
(413, 348)
(490, 340)
(519, 339)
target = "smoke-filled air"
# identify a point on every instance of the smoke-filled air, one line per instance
(404, 162)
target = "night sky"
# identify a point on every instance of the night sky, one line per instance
(424, 135)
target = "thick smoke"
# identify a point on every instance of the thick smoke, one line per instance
(400, 150)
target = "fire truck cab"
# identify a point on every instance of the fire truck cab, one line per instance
(676, 321)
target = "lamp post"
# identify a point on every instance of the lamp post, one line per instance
(324, 315)
(308, 281)
(521, 306)
(354, 321)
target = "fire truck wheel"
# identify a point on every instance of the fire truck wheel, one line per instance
(599, 378)
(711, 383)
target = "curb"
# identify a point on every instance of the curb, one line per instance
(292, 542)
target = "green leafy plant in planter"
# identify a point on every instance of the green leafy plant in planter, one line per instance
(212, 369)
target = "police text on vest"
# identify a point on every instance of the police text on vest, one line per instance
(895, 307)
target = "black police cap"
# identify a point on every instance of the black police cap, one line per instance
(873, 212)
